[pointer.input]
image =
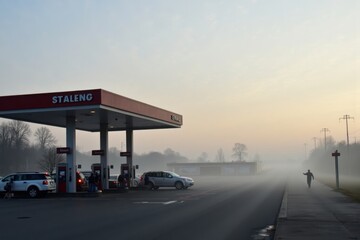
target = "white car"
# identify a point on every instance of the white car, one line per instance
(32, 183)
(158, 179)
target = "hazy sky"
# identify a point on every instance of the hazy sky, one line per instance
(268, 74)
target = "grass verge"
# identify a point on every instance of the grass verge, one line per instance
(348, 187)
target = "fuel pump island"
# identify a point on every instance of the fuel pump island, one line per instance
(94, 110)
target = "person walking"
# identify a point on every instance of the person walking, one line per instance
(309, 177)
(8, 189)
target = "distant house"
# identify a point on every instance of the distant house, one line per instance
(215, 168)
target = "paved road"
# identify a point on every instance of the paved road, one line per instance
(231, 208)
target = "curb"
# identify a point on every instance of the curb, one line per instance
(283, 207)
(282, 212)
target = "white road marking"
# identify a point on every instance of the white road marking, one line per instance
(163, 203)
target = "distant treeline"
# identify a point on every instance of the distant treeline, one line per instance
(18, 153)
(146, 161)
(322, 162)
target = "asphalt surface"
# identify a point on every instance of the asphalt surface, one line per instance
(215, 208)
(316, 213)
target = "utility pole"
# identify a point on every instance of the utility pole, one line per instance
(346, 117)
(325, 130)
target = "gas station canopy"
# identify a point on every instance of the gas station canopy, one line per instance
(92, 110)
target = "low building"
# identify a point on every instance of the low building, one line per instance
(215, 168)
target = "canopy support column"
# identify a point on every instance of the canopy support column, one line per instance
(104, 139)
(129, 149)
(71, 156)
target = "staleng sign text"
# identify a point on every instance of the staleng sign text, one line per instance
(72, 98)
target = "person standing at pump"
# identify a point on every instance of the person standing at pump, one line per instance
(121, 181)
(97, 181)
(309, 177)
(92, 183)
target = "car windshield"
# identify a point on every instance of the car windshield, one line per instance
(174, 174)
(6, 178)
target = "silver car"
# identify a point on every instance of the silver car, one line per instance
(157, 179)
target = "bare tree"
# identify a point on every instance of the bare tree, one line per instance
(44, 138)
(14, 140)
(220, 157)
(20, 133)
(5, 136)
(239, 151)
(50, 160)
(5, 147)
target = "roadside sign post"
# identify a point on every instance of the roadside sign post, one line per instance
(336, 154)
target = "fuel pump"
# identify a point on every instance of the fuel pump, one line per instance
(61, 175)
(99, 174)
(126, 173)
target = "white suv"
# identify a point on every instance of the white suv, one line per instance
(32, 183)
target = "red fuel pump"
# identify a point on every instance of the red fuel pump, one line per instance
(61, 174)
(99, 174)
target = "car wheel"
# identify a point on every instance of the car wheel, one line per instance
(156, 187)
(151, 185)
(33, 192)
(179, 185)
